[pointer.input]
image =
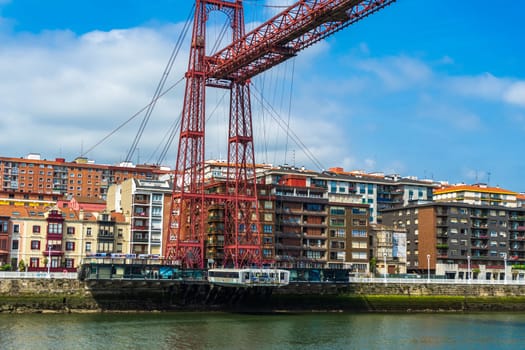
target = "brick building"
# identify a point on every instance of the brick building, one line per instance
(33, 178)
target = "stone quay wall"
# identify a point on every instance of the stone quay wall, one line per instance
(63, 295)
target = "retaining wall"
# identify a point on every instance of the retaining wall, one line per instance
(61, 295)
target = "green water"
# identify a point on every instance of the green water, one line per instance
(275, 331)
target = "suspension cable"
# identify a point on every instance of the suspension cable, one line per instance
(130, 119)
(285, 127)
(160, 85)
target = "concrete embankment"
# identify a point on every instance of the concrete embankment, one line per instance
(57, 295)
(398, 297)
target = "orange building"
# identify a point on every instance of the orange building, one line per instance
(33, 178)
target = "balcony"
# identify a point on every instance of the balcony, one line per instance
(313, 224)
(314, 247)
(287, 246)
(288, 234)
(315, 235)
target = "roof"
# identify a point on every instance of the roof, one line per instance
(472, 188)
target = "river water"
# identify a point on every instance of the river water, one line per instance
(195, 331)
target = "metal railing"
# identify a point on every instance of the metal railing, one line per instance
(36, 275)
(423, 280)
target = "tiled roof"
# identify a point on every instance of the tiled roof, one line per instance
(472, 188)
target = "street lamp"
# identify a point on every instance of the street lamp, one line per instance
(428, 268)
(384, 265)
(505, 268)
(48, 260)
(468, 268)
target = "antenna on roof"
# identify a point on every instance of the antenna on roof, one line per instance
(488, 178)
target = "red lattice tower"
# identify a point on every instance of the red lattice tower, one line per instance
(186, 241)
(299, 26)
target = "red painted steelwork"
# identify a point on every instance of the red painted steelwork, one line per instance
(299, 26)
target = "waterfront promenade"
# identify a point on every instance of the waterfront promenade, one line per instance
(352, 280)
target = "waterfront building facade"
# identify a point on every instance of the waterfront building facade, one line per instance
(58, 239)
(145, 204)
(377, 190)
(388, 249)
(312, 228)
(460, 240)
(50, 180)
(477, 194)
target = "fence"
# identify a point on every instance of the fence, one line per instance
(423, 280)
(55, 275)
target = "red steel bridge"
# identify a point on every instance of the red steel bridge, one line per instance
(249, 54)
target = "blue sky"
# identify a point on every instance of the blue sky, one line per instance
(433, 89)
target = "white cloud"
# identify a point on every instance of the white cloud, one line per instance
(489, 87)
(59, 90)
(397, 72)
(485, 86)
(515, 93)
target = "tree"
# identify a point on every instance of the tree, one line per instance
(21, 265)
(373, 263)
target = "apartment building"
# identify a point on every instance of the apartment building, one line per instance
(477, 194)
(453, 239)
(388, 247)
(312, 228)
(39, 238)
(31, 177)
(145, 204)
(377, 190)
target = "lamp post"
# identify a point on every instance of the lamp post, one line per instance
(428, 268)
(384, 265)
(468, 268)
(505, 268)
(49, 260)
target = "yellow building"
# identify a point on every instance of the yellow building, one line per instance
(42, 238)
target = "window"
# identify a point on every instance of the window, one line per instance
(337, 222)
(54, 227)
(267, 217)
(4, 226)
(16, 228)
(70, 246)
(88, 246)
(70, 263)
(359, 233)
(359, 245)
(268, 228)
(88, 231)
(358, 255)
(14, 245)
(70, 230)
(268, 204)
(337, 211)
(156, 211)
(35, 244)
(338, 233)
(33, 262)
